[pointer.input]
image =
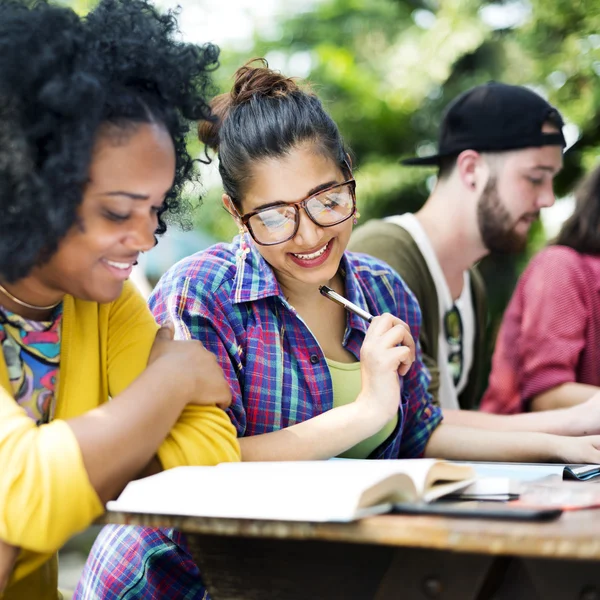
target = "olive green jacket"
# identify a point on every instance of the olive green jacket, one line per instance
(394, 245)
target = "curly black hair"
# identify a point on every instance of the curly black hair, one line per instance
(62, 79)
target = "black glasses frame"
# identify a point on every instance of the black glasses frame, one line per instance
(301, 204)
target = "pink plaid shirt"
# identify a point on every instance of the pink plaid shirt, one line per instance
(550, 333)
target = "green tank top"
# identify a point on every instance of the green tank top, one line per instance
(347, 382)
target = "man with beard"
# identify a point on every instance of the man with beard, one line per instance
(500, 147)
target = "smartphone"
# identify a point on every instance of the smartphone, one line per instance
(479, 510)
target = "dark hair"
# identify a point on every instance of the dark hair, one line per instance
(63, 81)
(581, 231)
(266, 115)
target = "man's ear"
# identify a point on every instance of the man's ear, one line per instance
(469, 165)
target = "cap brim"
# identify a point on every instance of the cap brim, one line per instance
(422, 161)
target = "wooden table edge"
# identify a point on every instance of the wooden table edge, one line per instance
(533, 540)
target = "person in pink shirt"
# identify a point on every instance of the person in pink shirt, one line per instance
(547, 353)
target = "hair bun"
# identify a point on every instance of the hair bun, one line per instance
(251, 80)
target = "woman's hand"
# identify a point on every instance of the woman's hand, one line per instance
(387, 351)
(8, 557)
(581, 419)
(584, 449)
(190, 364)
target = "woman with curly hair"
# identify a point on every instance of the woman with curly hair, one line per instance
(94, 114)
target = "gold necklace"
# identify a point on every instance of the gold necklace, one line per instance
(26, 304)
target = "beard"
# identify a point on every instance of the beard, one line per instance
(496, 226)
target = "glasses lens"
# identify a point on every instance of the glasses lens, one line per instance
(273, 225)
(453, 330)
(331, 206)
(455, 366)
(453, 325)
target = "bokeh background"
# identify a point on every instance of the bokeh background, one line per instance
(385, 69)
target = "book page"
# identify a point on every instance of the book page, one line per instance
(364, 473)
(298, 491)
(425, 473)
(246, 493)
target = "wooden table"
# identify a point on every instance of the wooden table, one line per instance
(393, 557)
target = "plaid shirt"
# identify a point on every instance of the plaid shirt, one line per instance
(278, 376)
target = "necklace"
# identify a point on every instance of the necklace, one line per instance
(26, 304)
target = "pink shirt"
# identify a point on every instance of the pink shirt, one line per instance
(550, 332)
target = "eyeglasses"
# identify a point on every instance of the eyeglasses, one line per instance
(453, 329)
(279, 223)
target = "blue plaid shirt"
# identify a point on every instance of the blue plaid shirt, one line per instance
(278, 376)
(273, 363)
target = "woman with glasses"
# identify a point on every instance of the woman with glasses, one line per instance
(93, 118)
(309, 380)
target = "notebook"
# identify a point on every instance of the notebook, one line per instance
(566, 495)
(498, 489)
(318, 491)
(536, 471)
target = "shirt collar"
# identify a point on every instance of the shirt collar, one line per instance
(255, 280)
(354, 292)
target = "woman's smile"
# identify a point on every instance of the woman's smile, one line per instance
(310, 260)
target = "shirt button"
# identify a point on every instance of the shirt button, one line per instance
(314, 359)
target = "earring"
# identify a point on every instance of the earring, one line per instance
(240, 259)
(243, 250)
(356, 217)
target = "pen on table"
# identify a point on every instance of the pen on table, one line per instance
(349, 306)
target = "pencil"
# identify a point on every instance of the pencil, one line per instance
(349, 306)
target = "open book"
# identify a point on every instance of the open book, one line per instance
(319, 491)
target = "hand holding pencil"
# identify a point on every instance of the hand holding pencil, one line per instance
(389, 327)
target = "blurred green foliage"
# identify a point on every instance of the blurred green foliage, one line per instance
(385, 69)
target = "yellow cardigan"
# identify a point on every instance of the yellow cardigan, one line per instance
(45, 493)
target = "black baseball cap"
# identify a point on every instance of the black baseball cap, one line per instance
(494, 117)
